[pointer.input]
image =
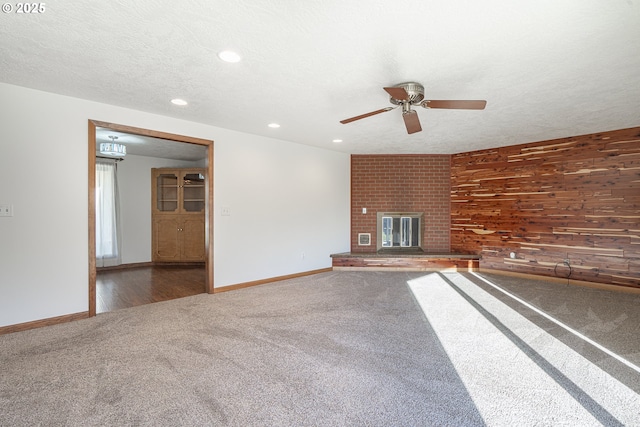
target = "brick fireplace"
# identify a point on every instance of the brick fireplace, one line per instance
(402, 185)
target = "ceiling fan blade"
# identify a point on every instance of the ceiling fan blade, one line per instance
(455, 105)
(364, 116)
(397, 93)
(412, 122)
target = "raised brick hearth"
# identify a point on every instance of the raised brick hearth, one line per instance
(407, 262)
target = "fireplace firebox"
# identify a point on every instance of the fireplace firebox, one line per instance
(399, 231)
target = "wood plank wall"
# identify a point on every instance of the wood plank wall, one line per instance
(575, 199)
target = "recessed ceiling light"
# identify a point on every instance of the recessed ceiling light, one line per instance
(229, 56)
(178, 101)
(337, 140)
(274, 125)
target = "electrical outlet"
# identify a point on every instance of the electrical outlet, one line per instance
(6, 210)
(225, 211)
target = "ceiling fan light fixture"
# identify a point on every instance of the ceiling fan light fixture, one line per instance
(229, 56)
(337, 141)
(273, 125)
(178, 101)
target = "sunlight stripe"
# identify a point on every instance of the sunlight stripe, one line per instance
(562, 325)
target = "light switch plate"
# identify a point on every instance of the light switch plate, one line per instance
(6, 210)
(226, 211)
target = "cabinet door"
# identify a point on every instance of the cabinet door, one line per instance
(193, 238)
(167, 238)
(167, 192)
(192, 192)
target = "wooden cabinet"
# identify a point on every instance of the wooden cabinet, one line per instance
(178, 205)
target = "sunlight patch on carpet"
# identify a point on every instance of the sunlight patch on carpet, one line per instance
(561, 324)
(515, 371)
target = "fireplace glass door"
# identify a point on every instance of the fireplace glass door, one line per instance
(400, 231)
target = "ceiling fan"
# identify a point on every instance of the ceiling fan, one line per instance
(409, 94)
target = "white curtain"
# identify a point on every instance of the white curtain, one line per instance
(107, 214)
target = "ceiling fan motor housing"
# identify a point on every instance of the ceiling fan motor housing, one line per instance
(415, 91)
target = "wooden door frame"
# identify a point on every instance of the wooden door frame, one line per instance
(208, 215)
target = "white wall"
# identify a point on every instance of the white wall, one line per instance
(134, 185)
(284, 198)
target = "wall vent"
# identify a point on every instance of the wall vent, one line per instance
(364, 239)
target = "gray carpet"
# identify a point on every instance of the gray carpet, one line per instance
(340, 348)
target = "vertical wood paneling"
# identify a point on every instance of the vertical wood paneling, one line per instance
(575, 199)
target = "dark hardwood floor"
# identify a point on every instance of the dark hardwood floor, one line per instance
(130, 287)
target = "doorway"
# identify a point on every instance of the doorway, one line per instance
(208, 144)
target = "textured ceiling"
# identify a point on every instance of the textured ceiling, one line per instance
(142, 145)
(547, 68)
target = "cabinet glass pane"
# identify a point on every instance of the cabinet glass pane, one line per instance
(167, 192)
(193, 192)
